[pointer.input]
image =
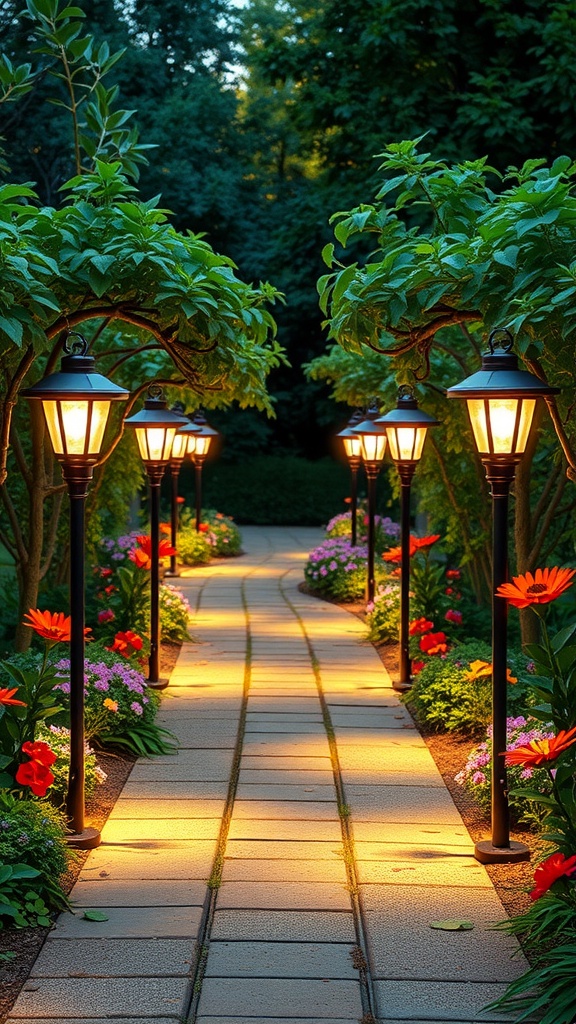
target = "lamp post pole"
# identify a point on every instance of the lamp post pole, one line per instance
(406, 473)
(76, 404)
(155, 427)
(406, 427)
(501, 400)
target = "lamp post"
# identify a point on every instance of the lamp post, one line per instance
(76, 403)
(353, 449)
(501, 400)
(155, 427)
(406, 428)
(373, 444)
(179, 451)
(198, 446)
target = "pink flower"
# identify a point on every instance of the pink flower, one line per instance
(454, 616)
(107, 615)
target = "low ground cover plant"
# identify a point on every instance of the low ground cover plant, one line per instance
(337, 570)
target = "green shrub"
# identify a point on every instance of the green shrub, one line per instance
(175, 614)
(476, 776)
(225, 537)
(33, 832)
(58, 738)
(193, 548)
(337, 570)
(383, 618)
(444, 699)
(120, 708)
(276, 489)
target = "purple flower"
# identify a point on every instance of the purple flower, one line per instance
(136, 708)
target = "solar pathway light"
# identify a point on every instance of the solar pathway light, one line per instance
(353, 449)
(76, 403)
(155, 427)
(198, 446)
(406, 428)
(177, 455)
(373, 447)
(501, 400)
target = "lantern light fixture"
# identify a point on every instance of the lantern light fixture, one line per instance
(501, 400)
(76, 403)
(353, 449)
(155, 426)
(199, 445)
(373, 448)
(406, 428)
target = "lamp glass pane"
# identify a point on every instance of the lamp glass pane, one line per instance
(169, 435)
(373, 447)
(202, 444)
(419, 442)
(503, 413)
(192, 438)
(74, 419)
(98, 423)
(53, 424)
(477, 413)
(142, 438)
(352, 447)
(179, 446)
(526, 414)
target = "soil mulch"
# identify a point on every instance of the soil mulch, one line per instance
(26, 943)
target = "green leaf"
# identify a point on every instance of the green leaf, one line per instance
(94, 915)
(452, 925)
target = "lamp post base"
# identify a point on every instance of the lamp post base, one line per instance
(157, 684)
(486, 853)
(401, 685)
(88, 839)
(171, 575)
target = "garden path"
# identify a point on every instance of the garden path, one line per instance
(285, 865)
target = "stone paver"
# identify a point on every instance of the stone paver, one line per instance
(284, 926)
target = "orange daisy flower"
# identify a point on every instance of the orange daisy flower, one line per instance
(7, 696)
(541, 588)
(425, 542)
(538, 751)
(126, 643)
(53, 626)
(142, 555)
(477, 670)
(549, 871)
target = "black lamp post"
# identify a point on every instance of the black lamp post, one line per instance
(373, 443)
(76, 403)
(406, 427)
(353, 449)
(501, 400)
(179, 451)
(155, 427)
(198, 444)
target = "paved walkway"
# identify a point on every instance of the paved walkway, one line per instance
(285, 865)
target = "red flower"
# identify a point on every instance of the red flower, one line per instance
(7, 697)
(417, 667)
(35, 775)
(53, 626)
(419, 626)
(425, 542)
(541, 588)
(110, 589)
(453, 616)
(140, 558)
(142, 555)
(554, 867)
(204, 527)
(453, 574)
(40, 752)
(126, 643)
(538, 751)
(433, 643)
(416, 543)
(106, 573)
(347, 501)
(180, 500)
(107, 615)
